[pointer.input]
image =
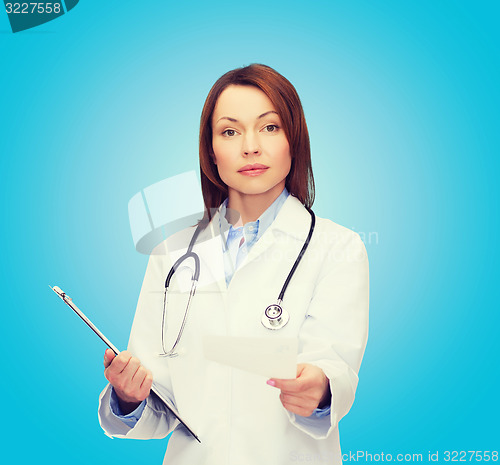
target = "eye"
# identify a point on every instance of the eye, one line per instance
(229, 132)
(271, 128)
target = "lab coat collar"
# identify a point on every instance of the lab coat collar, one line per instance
(293, 220)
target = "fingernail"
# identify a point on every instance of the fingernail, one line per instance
(271, 382)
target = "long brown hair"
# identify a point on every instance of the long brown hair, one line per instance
(284, 97)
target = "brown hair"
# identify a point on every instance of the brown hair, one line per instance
(284, 97)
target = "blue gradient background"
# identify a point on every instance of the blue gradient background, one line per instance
(401, 99)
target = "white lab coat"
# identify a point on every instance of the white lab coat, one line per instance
(238, 417)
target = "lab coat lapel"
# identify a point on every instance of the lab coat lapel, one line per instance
(292, 220)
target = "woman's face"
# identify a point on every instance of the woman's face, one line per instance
(250, 148)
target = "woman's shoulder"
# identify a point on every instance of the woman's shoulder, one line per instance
(176, 241)
(332, 228)
(333, 235)
(326, 231)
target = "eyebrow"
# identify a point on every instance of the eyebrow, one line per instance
(233, 120)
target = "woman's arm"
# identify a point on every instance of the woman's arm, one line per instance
(131, 381)
(332, 339)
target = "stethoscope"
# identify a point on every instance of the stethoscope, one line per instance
(274, 316)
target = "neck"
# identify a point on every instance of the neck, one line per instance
(251, 206)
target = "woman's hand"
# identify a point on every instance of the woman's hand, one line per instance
(131, 381)
(305, 393)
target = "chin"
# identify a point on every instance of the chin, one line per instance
(257, 189)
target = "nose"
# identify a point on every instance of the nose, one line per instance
(250, 145)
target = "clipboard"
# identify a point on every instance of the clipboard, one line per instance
(154, 388)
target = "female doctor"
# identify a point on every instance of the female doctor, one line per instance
(258, 187)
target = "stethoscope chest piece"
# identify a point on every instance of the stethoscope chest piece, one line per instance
(275, 317)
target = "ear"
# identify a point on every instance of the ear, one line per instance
(212, 156)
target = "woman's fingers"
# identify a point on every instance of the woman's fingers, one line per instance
(109, 355)
(116, 366)
(297, 405)
(303, 394)
(131, 381)
(140, 376)
(131, 368)
(121, 372)
(146, 384)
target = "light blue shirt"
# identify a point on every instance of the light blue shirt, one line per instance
(237, 242)
(130, 419)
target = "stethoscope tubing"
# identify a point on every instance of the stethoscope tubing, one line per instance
(194, 281)
(299, 257)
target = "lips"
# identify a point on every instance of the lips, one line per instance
(254, 167)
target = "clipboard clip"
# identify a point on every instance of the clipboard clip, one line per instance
(60, 293)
